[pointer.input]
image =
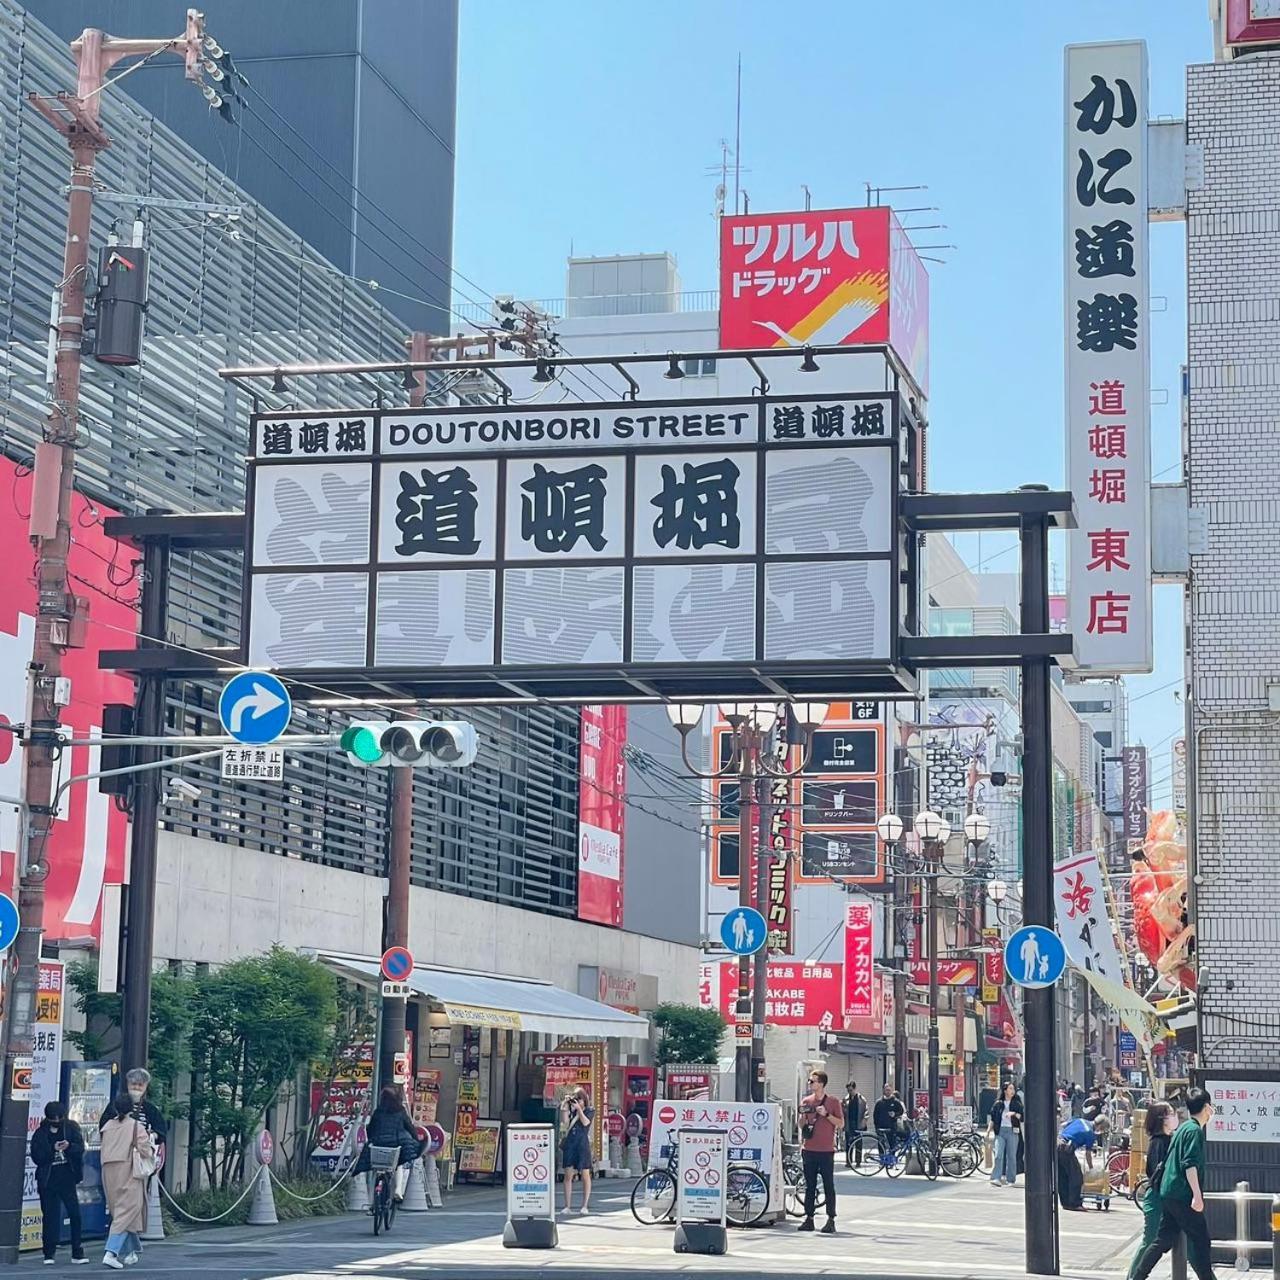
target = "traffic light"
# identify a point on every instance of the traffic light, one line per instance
(433, 744)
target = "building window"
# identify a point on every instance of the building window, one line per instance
(700, 368)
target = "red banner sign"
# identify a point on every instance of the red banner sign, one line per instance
(823, 277)
(87, 847)
(602, 776)
(799, 995)
(951, 973)
(993, 960)
(859, 962)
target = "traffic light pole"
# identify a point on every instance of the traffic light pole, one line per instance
(395, 931)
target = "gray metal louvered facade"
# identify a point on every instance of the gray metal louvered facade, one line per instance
(171, 434)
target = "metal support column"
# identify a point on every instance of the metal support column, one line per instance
(933, 912)
(1042, 1255)
(395, 931)
(140, 903)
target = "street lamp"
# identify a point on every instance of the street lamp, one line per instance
(977, 827)
(889, 827)
(997, 891)
(933, 831)
(751, 759)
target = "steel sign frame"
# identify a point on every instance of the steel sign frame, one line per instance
(756, 675)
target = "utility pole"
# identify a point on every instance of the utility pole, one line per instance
(1037, 903)
(76, 118)
(747, 820)
(934, 855)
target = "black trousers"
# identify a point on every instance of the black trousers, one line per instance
(1070, 1177)
(819, 1163)
(1176, 1218)
(58, 1199)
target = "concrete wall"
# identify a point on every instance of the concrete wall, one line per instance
(215, 903)
(1233, 349)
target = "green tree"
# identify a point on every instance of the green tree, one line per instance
(257, 1023)
(172, 1014)
(687, 1033)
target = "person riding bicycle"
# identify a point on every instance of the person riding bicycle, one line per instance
(390, 1126)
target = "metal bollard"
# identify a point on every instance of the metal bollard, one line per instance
(1178, 1258)
(1242, 1226)
(1275, 1238)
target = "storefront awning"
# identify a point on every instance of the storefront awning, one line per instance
(507, 1003)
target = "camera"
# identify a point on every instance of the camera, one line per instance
(181, 787)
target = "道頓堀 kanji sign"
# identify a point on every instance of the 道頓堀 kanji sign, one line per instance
(1107, 374)
(532, 544)
(824, 277)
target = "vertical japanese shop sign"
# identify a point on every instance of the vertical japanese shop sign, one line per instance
(601, 781)
(992, 964)
(778, 917)
(46, 1080)
(1134, 761)
(859, 961)
(1107, 374)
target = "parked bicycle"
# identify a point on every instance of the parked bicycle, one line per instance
(653, 1198)
(793, 1192)
(382, 1164)
(893, 1157)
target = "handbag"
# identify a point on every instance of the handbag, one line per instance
(143, 1166)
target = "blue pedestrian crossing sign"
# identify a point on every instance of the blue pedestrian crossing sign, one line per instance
(1034, 957)
(743, 931)
(8, 922)
(255, 708)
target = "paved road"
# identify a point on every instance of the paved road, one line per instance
(894, 1228)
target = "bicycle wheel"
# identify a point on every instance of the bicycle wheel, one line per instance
(928, 1162)
(1118, 1172)
(958, 1160)
(653, 1198)
(872, 1160)
(375, 1208)
(746, 1197)
(895, 1160)
(389, 1213)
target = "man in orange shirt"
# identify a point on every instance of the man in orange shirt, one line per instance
(821, 1117)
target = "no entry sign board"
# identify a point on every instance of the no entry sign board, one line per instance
(530, 1165)
(701, 1175)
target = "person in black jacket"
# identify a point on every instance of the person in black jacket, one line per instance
(390, 1126)
(57, 1151)
(137, 1082)
(855, 1118)
(1006, 1127)
(1160, 1123)
(885, 1116)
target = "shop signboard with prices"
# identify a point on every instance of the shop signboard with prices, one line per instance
(531, 1208)
(701, 1206)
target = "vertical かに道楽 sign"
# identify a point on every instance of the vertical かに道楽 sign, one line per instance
(1107, 373)
(601, 781)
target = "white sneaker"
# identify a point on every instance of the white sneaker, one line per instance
(997, 1182)
(80, 1262)
(48, 1262)
(130, 1259)
(110, 1260)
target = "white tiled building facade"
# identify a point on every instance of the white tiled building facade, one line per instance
(1233, 323)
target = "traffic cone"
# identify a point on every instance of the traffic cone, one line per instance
(262, 1208)
(415, 1191)
(357, 1194)
(434, 1198)
(155, 1219)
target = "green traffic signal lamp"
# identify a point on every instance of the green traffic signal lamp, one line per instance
(363, 743)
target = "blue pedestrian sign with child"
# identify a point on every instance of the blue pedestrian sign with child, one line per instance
(1034, 957)
(743, 931)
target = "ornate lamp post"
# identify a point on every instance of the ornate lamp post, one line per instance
(933, 832)
(752, 723)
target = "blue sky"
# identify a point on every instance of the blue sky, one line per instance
(590, 124)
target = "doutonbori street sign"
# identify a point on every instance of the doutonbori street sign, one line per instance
(720, 546)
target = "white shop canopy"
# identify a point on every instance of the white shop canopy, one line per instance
(506, 1003)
